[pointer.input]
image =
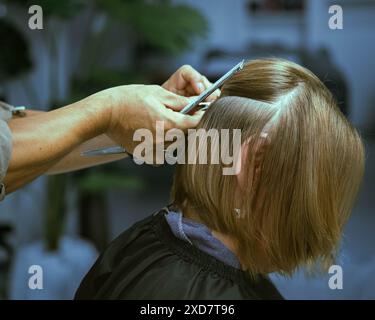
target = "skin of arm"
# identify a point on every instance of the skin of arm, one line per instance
(51, 142)
(42, 140)
(73, 160)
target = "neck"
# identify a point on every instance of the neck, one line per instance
(192, 214)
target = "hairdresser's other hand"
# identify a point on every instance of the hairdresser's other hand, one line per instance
(139, 107)
(187, 81)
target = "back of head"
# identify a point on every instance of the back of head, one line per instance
(293, 205)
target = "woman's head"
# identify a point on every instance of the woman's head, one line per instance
(302, 163)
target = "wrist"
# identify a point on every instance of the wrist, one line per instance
(118, 102)
(98, 113)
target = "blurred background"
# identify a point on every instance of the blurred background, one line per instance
(62, 222)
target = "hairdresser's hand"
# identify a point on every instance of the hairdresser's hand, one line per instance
(139, 107)
(186, 81)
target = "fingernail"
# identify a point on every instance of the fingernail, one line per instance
(200, 86)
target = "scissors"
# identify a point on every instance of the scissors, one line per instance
(198, 101)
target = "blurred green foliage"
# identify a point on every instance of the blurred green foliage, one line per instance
(55, 210)
(157, 28)
(95, 182)
(161, 24)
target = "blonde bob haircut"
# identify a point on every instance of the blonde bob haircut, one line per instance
(299, 185)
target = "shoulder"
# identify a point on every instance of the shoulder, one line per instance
(122, 255)
(148, 262)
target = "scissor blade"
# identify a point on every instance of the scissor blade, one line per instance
(214, 87)
(103, 151)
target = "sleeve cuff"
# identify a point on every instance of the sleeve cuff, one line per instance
(5, 154)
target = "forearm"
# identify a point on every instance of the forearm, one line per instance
(42, 140)
(74, 160)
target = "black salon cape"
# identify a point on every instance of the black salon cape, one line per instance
(148, 262)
